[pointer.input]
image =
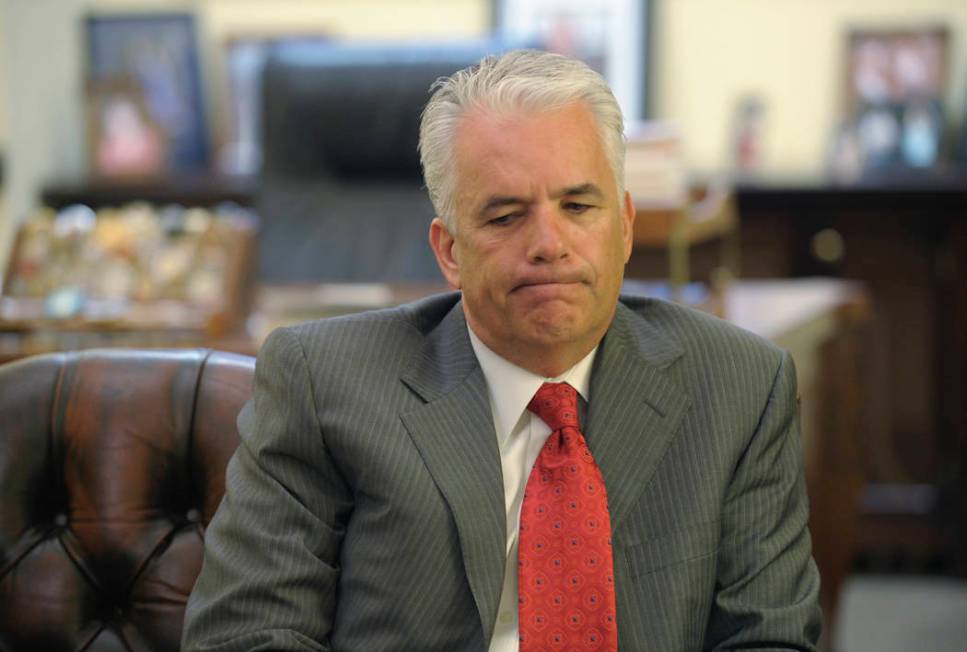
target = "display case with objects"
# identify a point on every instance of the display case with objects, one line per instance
(133, 276)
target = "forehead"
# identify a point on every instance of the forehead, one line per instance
(526, 149)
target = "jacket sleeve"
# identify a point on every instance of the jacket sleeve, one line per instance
(271, 563)
(768, 584)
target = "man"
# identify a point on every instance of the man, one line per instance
(425, 478)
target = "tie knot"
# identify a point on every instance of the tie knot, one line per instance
(556, 404)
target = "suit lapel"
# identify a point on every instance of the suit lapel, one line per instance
(635, 408)
(455, 435)
(634, 414)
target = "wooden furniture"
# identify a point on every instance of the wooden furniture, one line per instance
(905, 237)
(708, 214)
(188, 190)
(673, 216)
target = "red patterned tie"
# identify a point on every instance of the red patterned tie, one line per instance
(566, 576)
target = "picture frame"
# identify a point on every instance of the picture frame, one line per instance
(611, 36)
(125, 142)
(896, 83)
(157, 56)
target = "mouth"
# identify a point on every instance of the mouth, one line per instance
(550, 279)
(551, 286)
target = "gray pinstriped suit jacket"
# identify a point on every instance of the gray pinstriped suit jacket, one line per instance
(364, 509)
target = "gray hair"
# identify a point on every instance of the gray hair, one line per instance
(519, 79)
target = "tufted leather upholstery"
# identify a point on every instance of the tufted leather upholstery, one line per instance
(112, 463)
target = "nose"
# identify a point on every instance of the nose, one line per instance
(547, 235)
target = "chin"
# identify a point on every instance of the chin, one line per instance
(552, 329)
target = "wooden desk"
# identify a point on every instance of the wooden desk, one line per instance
(708, 215)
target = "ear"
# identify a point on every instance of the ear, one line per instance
(443, 245)
(628, 223)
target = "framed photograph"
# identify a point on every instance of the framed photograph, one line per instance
(125, 141)
(895, 89)
(611, 36)
(156, 56)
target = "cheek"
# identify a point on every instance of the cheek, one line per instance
(486, 263)
(604, 248)
(470, 277)
(487, 278)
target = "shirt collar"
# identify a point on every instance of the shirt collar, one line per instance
(512, 387)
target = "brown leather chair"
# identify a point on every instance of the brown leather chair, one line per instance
(112, 462)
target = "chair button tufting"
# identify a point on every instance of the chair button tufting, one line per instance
(61, 520)
(193, 516)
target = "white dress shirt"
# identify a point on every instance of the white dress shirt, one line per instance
(520, 437)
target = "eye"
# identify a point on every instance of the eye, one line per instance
(576, 207)
(503, 220)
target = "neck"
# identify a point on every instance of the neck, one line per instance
(548, 361)
(549, 364)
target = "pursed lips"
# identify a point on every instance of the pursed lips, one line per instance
(549, 282)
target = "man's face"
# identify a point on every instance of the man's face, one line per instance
(541, 235)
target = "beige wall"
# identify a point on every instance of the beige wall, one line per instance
(3, 80)
(41, 93)
(350, 18)
(356, 18)
(41, 52)
(4, 222)
(360, 19)
(708, 53)
(221, 20)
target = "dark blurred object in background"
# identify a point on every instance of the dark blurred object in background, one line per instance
(245, 58)
(341, 193)
(962, 148)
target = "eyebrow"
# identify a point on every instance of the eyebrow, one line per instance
(498, 202)
(580, 189)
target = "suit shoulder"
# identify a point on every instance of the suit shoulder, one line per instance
(698, 332)
(368, 334)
